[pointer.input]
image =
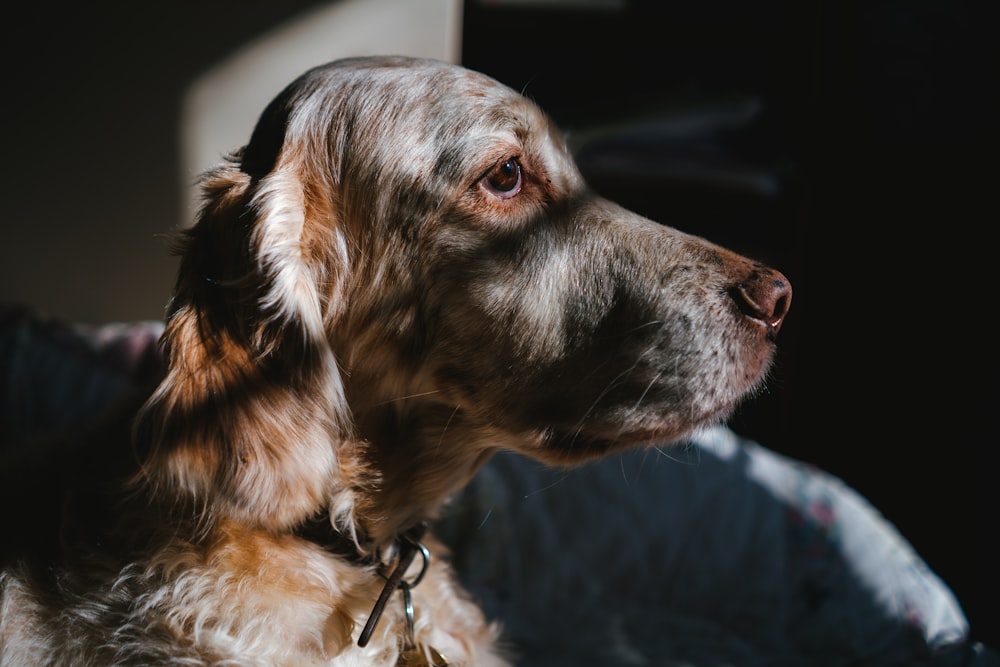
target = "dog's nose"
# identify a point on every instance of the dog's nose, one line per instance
(764, 295)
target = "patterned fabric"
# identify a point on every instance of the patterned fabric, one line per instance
(720, 552)
(56, 375)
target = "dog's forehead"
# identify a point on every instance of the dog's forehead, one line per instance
(430, 80)
(417, 115)
(427, 99)
(391, 108)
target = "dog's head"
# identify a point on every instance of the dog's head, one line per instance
(403, 272)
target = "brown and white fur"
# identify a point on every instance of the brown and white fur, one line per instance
(401, 274)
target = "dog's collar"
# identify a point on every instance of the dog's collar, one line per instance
(408, 545)
(404, 550)
(320, 531)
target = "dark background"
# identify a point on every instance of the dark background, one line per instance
(865, 170)
(875, 157)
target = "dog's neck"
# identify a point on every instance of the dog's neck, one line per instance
(417, 460)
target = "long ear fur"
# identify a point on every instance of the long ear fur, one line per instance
(251, 421)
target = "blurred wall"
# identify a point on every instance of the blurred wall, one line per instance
(112, 110)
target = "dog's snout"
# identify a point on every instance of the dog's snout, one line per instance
(764, 295)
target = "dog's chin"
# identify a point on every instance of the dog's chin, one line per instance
(564, 442)
(571, 447)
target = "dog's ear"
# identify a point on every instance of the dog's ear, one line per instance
(250, 420)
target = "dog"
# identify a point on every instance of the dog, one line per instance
(402, 273)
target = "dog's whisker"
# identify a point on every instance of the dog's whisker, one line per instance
(486, 518)
(454, 412)
(662, 452)
(659, 449)
(651, 323)
(645, 391)
(612, 384)
(545, 488)
(399, 399)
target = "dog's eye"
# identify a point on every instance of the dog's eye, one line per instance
(503, 179)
